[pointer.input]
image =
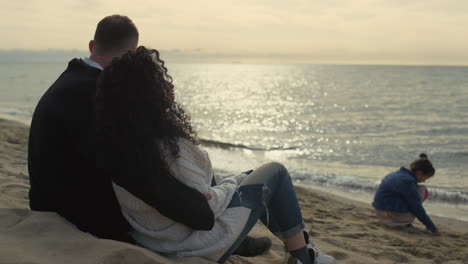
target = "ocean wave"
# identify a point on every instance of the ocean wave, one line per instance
(354, 184)
(22, 114)
(225, 145)
(460, 154)
(332, 180)
(453, 197)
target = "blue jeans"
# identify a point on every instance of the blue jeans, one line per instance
(269, 192)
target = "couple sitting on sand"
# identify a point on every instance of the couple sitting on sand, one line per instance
(113, 152)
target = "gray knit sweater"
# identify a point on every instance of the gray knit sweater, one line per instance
(161, 234)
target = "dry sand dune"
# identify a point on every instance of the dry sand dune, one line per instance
(343, 228)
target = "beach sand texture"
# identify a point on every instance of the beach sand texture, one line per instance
(342, 228)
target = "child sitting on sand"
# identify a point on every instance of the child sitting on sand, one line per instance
(399, 198)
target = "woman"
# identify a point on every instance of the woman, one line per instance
(146, 134)
(399, 198)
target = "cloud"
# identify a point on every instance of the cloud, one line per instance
(385, 28)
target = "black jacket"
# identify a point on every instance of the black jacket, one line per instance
(63, 173)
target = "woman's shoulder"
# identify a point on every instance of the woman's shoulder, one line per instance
(187, 145)
(189, 163)
(188, 150)
(184, 141)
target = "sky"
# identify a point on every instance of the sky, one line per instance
(296, 31)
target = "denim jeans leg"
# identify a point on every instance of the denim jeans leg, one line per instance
(282, 206)
(269, 192)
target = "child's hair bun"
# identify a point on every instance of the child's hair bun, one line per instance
(423, 164)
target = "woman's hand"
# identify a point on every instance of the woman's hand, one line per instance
(208, 196)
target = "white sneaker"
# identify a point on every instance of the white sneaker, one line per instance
(319, 256)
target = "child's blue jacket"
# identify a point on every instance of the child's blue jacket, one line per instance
(398, 192)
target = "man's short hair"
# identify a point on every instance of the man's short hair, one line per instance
(115, 33)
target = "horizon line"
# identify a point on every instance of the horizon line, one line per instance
(196, 56)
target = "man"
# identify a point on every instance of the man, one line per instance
(63, 172)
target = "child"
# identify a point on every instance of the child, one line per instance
(399, 198)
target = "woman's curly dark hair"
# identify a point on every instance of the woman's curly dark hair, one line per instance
(136, 111)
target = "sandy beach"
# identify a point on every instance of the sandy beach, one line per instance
(342, 228)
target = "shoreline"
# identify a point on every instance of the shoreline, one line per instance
(364, 199)
(434, 207)
(341, 227)
(21, 127)
(10, 118)
(439, 220)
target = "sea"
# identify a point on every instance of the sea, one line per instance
(337, 128)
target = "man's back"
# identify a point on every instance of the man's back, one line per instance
(62, 167)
